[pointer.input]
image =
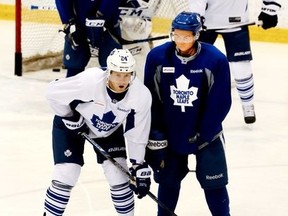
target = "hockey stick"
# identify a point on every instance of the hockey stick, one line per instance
(123, 41)
(114, 162)
(230, 26)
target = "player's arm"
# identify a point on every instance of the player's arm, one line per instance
(137, 127)
(198, 6)
(70, 28)
(106, 16)
(157, 144)
(65, 9)
(60, 93)
(218, 102)
(137, 130)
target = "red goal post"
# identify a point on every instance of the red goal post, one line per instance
(38, 45)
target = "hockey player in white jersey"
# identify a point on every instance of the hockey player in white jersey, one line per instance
(113, 107)
(227, 16)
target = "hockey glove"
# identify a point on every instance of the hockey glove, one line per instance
(73, 34)
(95, 29)
(134, 28)
(74, 124)
(156, 151)
(141, 185)
(268, 14)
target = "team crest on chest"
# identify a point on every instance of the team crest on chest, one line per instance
(106, 123)
(182, 95)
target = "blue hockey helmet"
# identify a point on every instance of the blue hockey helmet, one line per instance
(188, 21)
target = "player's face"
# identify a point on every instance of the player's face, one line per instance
(184, 40)
(119, 81)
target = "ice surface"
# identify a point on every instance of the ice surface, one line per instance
(256, 154)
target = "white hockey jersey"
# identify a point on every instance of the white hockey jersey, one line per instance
(221, 13)
(101, 114)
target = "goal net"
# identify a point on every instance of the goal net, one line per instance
(42, 45)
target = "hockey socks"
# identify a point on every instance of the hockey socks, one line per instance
(218, 201)
(57, 197)
(168, 194)
(123, 199)
(245, 89)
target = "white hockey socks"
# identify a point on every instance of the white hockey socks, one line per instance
(242, 72)
(57, 197)
(123, 199)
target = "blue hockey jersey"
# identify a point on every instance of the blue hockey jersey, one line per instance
(191, 95)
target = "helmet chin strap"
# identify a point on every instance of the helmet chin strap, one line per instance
(197, 35)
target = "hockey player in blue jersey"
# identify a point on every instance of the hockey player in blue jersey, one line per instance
(226, 16)
(191, 96)
(113, 107)
(89, 26)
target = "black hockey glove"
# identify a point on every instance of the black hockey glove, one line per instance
(156, 151)
(268, 14)
(73, 34)
(141, 185)
(95, 29)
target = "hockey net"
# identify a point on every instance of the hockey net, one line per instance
(42, 45)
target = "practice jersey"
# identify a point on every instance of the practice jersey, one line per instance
(101, 114)
(221, 13)
(191, 95)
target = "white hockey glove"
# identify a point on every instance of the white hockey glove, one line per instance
(141, 185)
(133, 28)
(74, 122)
(268, 15)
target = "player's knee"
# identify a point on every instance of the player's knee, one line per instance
(67, 173)
(241, 69)
(113, 174)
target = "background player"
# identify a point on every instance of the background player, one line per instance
(226, 15)
(191, 96)
(92, 28)
(113, 106)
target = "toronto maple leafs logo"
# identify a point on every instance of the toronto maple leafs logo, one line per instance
(183, 95)
(106, 123)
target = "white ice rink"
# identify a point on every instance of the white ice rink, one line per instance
(257, 155)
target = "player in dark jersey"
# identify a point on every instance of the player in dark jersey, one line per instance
(191, 96)
(90, 28)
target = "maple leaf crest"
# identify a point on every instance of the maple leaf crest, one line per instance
(106, 123)
(183, 95)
